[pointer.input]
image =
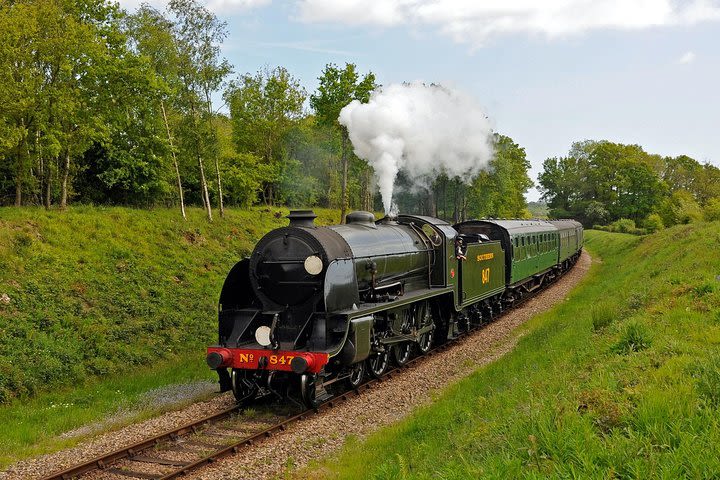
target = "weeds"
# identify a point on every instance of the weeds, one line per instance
(707, 377)
(602, 316)
(634, 338)
(702, 290)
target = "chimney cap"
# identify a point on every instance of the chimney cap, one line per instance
(302, 218)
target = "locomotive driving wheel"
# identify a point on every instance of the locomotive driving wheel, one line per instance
(357, 374)
(425, 319)
(379, 363)
(402, 353)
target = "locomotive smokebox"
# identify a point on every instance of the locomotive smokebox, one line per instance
(302, 218)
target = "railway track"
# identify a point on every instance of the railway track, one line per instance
(209, 439)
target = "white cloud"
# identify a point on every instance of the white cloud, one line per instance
(688, 57)
(229, 6)
(474, 21)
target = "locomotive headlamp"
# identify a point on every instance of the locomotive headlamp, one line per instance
(313, 265)
(262, 335)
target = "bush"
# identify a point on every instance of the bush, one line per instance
(712, 210)
(596, 212)
(624, 225)
(653, 223)
(634, 338)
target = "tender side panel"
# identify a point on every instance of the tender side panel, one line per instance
(482, 274)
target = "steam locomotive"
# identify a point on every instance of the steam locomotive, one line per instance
(317, 308)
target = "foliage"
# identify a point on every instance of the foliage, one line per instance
(497, 192)
(264, 107)
(337, 88)
(712, 210)
(653, 223)
(601, 181)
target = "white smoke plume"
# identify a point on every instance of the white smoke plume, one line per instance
(423, 130)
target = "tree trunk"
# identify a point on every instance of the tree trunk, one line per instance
(18, 193)
(48, 182)
(204, 185)
(270, 195)
(63, 186)
(203, 180)
(208, 102)
(220, 195)
(456, 209)
(368, 190)
(175, 163)
(344, 200)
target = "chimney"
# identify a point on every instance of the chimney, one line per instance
(302, 218)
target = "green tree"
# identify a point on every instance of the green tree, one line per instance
(337, 88)
(623, 179)
(152, 38)
(57, 55)
(201, 72)
(264, 107)
(500, 191)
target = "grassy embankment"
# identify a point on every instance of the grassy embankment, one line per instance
(100, 305)
(620, 381)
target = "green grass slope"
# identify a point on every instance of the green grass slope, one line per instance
(93, 292)
(620, 381)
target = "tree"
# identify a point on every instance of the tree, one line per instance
(264, 107)
(201, 72)
(603, 181)
(151, 36)
(57, 54)
(337, 88)
(500, 190)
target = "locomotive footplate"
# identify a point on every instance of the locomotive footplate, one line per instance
(256, 359)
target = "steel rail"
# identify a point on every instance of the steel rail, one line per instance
(105, 460)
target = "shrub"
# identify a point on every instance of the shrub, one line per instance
(624, 225)
(712, 210)
(653, 223)
(634, 338)
(596, 212)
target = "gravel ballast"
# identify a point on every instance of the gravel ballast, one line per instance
(323, 434)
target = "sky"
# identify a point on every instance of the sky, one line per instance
(546, 73)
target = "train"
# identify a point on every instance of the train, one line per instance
(317, 309)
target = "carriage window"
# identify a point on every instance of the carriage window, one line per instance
(523, 241)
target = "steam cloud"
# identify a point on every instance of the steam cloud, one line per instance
(423, 130)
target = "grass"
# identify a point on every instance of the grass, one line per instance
(620, 381)
(100, 305)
